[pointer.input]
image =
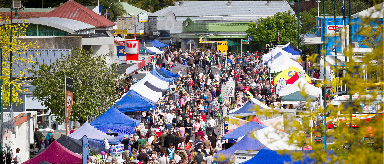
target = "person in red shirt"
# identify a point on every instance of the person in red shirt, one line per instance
(73, 130)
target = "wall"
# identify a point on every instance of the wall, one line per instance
(22, 140)
(67, 42)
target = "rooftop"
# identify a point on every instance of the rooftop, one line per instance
(76, 11)
(225, 8)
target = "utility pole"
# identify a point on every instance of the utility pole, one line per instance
(334, 17)
(324, 78)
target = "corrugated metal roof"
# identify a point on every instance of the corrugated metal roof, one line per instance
(132, 9)
(43, 56)
(22, 15)
(28, 10)
(225, 8)
(68, 25)
(76, 11)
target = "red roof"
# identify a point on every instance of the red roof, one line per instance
(76, 11)
(22, 15)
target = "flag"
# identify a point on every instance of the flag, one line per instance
(68, 101)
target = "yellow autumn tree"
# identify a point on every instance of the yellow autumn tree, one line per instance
(11, 43)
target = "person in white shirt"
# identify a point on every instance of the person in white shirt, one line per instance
(211, 123)
(176, 157)
(163, 159)
(209, 158)
(16, 158)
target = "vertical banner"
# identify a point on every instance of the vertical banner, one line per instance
(132, 49)
(68, 101)
(86, 150)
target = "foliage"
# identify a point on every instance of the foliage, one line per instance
(113, 7)
(11, 42)
(350, 145)
(278, 29)
(93, 85)
(151, 5)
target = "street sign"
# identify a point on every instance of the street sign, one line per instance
(251, 38)
(244, 41)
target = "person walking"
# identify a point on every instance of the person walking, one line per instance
(38, 136)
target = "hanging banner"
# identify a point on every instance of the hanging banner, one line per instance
(132, 49)
(86, 150)
(228, 89)
(68, 101)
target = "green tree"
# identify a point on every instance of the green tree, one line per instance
(94, 85)
(350, 145)
(278, 29)
(114, 8)
(151, 5)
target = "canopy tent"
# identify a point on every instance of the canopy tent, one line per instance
(133, 102)
(293, 79)
(71, 144)
(274, 139)
(265, 156)
(92, 133)
(247, 108)
(156, 43)
(277, 123)
(301, 85)
(231, 43)
(290, 50)
(114, 118)
(276, 51)
(153, 80)
(288, 73)
(234, 123)
(174, 75)
(282, 63)
(161, 77)
(148, 91)
(247, 143)
(56, 153)
(242, 130)
(297, 96)
(153, 50)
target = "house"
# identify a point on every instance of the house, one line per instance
(214, 20)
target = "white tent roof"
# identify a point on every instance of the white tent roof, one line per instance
(154, 49)
(155, 81)
(301, 85)
(277, 123)
(274, 139)
(257, 102)
(282, 63)
(275, 51)
(148, 93)
(92, 133)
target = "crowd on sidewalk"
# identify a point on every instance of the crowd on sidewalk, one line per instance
(185, 126)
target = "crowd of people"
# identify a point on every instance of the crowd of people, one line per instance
(186, 125)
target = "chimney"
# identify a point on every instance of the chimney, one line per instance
(229, 3)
